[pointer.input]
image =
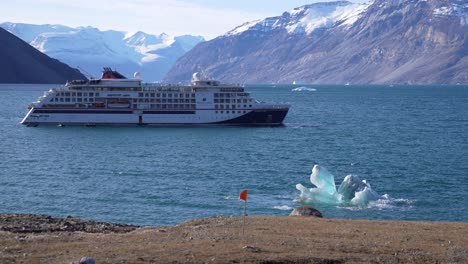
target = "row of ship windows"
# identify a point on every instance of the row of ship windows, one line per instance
(227, 106)
(165, 100)
(68, 99)
(80, 100)
(233, 89)
(175, 95)
(227, 95)
(171, 107)
(228, 112)
(232, 100)
(77, 94)
(220, 107)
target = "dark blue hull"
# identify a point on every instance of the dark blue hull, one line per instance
(270, 117)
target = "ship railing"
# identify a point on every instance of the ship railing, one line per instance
(221, 85)
(165, 87)
(58, 88)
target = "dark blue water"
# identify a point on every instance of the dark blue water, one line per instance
(409, 142)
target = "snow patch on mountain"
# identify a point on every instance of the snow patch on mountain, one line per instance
(306, 19)
(146, 45)
(349, 16)
(29, 32)
(454, 9)
(316, 16)
(242, 28)
(85, 42)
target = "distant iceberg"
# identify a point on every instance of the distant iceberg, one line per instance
(298, 82)
(352, 191)
(304, 88)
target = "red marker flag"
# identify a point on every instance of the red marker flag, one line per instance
(243, 195)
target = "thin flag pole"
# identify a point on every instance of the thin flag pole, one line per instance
(243, 196)
(245, 207)
(243, 217)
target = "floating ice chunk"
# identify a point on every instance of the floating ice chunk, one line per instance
(317, 195)
(283, 207)
(352, 190)
(323, 179)
(325, 191)
(303, 88)
(362, 198)
(350, 185)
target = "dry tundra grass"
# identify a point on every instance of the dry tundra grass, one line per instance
(266, 239)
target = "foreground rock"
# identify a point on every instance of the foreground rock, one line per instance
(30, 223)
(85, 260)
(306, 211)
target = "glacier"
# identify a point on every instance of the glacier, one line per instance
(90, 49)
(352, 191)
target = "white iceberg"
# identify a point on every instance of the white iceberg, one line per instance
(352, 191)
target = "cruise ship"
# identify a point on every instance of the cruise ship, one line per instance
(114, 100)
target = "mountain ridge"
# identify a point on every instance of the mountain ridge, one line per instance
(381, 42)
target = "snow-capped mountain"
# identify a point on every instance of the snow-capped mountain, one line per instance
(91, 49)
(398, 41)
(306, 19)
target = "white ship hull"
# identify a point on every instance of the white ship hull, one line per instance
(266, 117)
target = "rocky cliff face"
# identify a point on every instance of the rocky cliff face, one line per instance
(21, 63)
(398, 41)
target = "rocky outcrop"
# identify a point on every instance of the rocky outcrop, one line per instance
(85, 260)
(387, 42)
(306, 211)
(21, 63)
(32, 223)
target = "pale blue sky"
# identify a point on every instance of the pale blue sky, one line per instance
(208, 18)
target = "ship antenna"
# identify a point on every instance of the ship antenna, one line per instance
(203, 72)
(89, 76)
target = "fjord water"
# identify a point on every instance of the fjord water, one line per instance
(409, 142)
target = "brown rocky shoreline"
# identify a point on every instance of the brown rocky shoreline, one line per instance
(264, 239)
(34, 223)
